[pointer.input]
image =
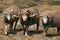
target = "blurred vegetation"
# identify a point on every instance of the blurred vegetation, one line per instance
(56, 3)
(1, 10)
(26, 3)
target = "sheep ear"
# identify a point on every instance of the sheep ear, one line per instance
(19, 12)
(4, 12)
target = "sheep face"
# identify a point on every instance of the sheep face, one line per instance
(8, 16)
(24, 17)
(45, 19)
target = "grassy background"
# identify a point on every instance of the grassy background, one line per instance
(26, 3)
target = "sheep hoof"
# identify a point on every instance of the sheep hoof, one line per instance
(6, 33)
(26, 34)
(44, 33)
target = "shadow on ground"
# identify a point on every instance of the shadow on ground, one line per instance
(33, 32)
(52, 35)
(15, 31)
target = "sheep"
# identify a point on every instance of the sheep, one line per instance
(10, 17)
(27, 20)
(51, 19)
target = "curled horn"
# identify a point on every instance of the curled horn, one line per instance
(40, 15)
(31, 14)
(4, 12)
(19, 13)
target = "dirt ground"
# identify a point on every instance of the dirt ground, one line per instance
(34, 35)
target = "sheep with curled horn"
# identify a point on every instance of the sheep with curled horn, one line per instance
(11, 17)
(29, 17)
(51, 19)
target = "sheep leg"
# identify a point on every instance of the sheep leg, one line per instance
(6, 29)
(10, 28)
(45, 30)
(24, 28)
(37, 26)
(26, 31)
(58, 29)
(15, 23)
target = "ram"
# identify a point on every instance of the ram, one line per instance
(27, 20)
(10, 17)
(51, 19)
